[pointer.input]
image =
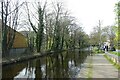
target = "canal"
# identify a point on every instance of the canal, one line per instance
(66, 64)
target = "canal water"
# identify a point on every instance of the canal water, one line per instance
(66, 64)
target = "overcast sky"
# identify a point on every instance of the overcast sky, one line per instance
(88, 12)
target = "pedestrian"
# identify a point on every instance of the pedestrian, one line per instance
(107, 48)
(104, 48)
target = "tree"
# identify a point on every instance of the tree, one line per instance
(49, 27)
(39, 31)
(110, 30)
(117, 11)
(95, 35)
(56, 29)
(10, 15)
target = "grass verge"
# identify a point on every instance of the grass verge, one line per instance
(89, 74)
(116, 53)
(111, 61)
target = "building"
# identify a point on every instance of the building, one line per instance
(19, 44)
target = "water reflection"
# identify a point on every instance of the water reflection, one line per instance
(63, 65)
(12, 71)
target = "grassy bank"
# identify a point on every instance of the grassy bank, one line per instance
(111, 61)
(114, 52)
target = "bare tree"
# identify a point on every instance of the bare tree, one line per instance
(55, 29)
(40, 30)
(9, 13)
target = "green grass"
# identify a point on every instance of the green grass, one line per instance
(97, 51)
(111, 61)
(89, 74)
(116, 53)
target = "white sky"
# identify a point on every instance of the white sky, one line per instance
(88, 12)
